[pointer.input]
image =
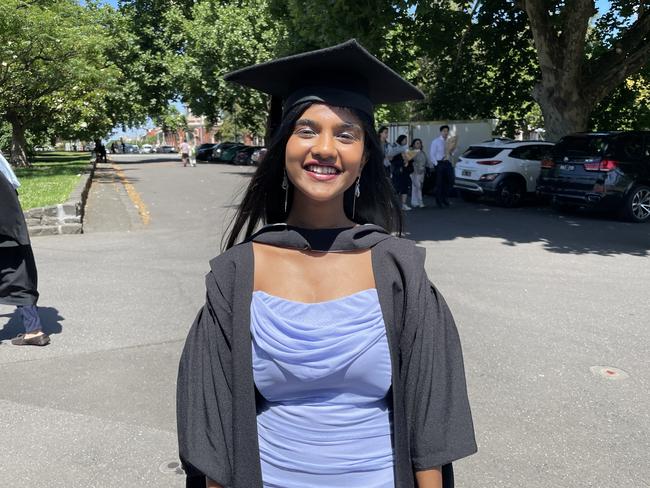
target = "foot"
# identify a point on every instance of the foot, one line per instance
(405, 207)
(33, 339)
(446, 203)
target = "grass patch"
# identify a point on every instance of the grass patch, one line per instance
(51, 178)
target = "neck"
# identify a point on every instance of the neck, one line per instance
(310, 214)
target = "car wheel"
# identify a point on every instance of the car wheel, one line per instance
(469, 196)
(637, 204)
(510, 193)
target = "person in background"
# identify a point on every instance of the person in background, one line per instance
(419, 160)
(193, 153)
(401, 171)
(100, 151)
(18, 276)
(386, 146)
(185, 153)
(444, 170)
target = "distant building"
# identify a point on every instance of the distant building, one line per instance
(197, 127)
(198, 130)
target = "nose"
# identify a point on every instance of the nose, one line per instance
(324, 147)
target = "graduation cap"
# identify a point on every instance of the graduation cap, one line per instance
(345, 75)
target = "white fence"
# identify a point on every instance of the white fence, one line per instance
(468, 131)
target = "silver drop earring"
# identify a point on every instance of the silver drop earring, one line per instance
(285, 187)
(357, 192)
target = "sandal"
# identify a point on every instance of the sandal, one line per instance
(39, 340)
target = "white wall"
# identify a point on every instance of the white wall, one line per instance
(468, 131)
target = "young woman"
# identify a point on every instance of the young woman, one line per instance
(383, 141)
(323, 356)
(419, 169)
(401, 171)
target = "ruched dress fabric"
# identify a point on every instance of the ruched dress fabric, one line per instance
(324, 372)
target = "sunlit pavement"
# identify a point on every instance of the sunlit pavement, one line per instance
(540, 299)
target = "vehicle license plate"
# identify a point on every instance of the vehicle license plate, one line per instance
(567, 167)
(466, 173)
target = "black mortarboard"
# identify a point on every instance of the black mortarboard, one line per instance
(344, 75)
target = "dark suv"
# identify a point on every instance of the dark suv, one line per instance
(605, 170)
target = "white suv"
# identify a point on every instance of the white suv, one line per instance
(504, 170)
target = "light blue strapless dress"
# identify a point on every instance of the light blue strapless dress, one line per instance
(324, 371)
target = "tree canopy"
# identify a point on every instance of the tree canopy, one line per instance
(72, 70)
(60, 72)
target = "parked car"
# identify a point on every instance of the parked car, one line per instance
(504, 170)
(258, 156)
(244, 155)
(603, 170)
(131, 149)
(226, 151)
(147, 149)
(204, 152)
(165, 149)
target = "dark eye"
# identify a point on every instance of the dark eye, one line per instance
(304, 131)
(348, 136)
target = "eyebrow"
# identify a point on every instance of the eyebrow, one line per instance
(315, 125)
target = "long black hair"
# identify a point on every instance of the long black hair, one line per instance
(263, 201)
(416, 140)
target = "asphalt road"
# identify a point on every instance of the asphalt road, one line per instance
(540, 300)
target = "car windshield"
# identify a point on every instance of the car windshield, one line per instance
(481, 152)
(583, 146)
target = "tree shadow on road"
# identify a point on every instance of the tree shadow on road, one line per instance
(50, 320)
(145, 159)
(109, 175)
(574, 233)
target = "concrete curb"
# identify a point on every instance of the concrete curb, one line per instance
(64, 218)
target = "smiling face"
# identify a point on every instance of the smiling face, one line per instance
(324, 157)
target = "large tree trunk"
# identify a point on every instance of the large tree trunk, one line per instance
(571, 83)
(564, 109)
(18, 143)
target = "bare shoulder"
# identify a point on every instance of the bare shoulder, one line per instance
(311, 276)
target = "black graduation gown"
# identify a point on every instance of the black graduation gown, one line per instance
(18, 277)
(216, 396)
(12, 220)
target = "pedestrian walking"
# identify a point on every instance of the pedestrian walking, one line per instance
(444, 170)
(18, 276)
(323, 356)
(420, 162)
(401, 169)
(185, 153)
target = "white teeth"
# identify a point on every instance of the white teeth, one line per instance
(323, 170)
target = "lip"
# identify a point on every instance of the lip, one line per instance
(320, 177)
